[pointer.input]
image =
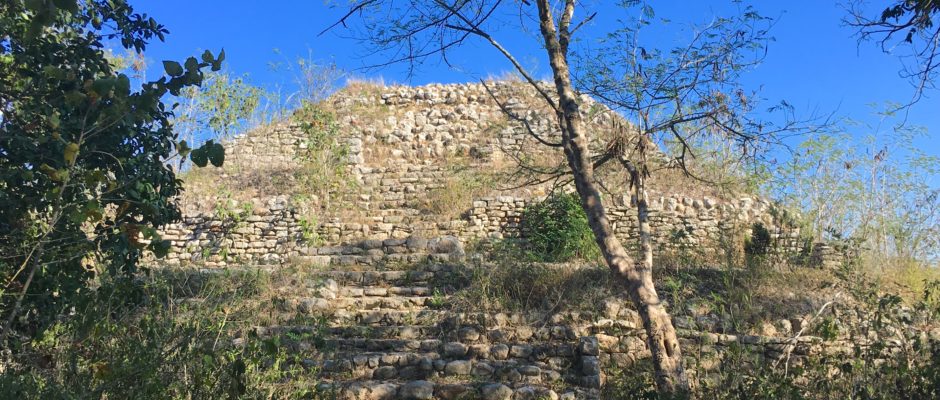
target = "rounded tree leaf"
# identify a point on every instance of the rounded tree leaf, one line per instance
(199, 157)
(71, 153)
(216, 154)
(173, 68)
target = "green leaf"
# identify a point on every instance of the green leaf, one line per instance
(93, 210)
(103, 86)
(217, 65)
(36, 6)
(172, 68)
(216, 154)
(71, 153)
(74, 98)
(57, 175)
(199, 157)
(150, 233)
(207, 56)
(123, 85)
(68, 5)
(183, 148)
(75, 215)
(160, 248)
(192, 64)
(209, 152)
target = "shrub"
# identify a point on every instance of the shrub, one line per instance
(759, 244)
(899, 363)
(85, 153)
(557, 229)
(322, 174)
(176, 335)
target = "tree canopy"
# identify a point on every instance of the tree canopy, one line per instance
(85, 174)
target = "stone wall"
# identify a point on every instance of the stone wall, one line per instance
(275, 234)
(407, 126)
(676, 221)
(268, 147)
(267, 235)
(276, 237)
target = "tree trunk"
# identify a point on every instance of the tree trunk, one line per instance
(637, 277)
(656, 318)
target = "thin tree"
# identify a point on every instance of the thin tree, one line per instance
(685, 93)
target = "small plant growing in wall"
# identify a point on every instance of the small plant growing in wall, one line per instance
(557, 229)
(308, 230)
(438, 300)
(758, 246)
(679, 251)
(323, 161)
(324, 156)
(228, 210)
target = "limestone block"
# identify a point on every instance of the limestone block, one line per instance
(416, 390)
(458, 367)
(496, 391)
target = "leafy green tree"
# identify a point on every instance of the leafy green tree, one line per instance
(84, 157)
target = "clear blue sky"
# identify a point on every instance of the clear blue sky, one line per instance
(814, 63)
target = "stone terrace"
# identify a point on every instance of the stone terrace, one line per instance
(402, 143)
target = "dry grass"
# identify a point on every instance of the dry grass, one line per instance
(509, 75)
(906, 278)
(204, 187)
(741, 300)
(462, 186)
(362, 84)
(540, 288)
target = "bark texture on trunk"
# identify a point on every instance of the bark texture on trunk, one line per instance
(656, 319)
(637, 276)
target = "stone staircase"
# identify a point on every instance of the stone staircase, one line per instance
(381, 320)
(389, 335)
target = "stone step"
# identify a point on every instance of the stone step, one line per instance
(585, 321)
(443, 332)
(384, 291)
(386, 278)
(388, 317)
(435, 267)
(373, 260)
(401, 303)
(338, 309)
(466, 327)
(414, 332)
(377, 254)
(451, 390)
(430, 365)
(457, 349)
